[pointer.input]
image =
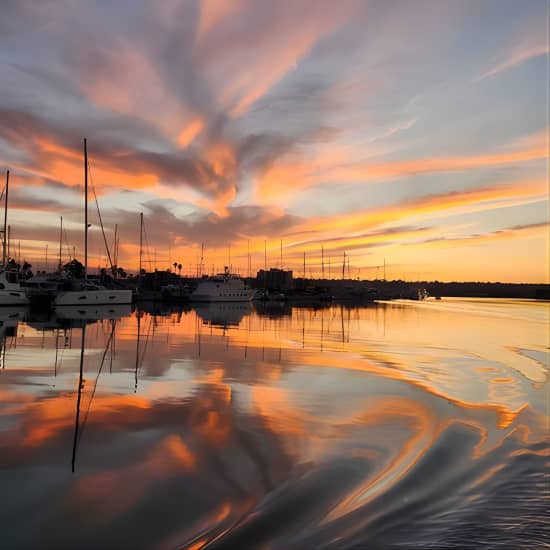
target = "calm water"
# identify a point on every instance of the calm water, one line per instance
(408, 424)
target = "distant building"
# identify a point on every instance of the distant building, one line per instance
(276, 279)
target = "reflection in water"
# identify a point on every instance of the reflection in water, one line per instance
(239, 426)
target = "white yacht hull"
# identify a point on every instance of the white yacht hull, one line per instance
(13, 298)
(92, 297)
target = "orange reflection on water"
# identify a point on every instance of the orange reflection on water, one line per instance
(229, 408)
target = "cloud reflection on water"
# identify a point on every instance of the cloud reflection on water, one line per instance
(295, 428)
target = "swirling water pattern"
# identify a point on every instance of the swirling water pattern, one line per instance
(399, 425)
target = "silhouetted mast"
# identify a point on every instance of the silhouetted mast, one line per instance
(322, 262)
(60, 243)
(344, 267)
(85, 210)
(140, 242)
(249, 262)
(4, 236)
(115, 253)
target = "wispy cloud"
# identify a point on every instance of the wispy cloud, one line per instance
(515, 60)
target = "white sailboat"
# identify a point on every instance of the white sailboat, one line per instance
(223, 287)
(89, 293)
(11, 293)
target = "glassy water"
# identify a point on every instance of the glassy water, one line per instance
(406, 424)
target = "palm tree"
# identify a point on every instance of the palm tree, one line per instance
(175, 264)
(179, 269)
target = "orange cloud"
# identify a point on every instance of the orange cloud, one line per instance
(487, 198)
(190, 132)
(283, 178)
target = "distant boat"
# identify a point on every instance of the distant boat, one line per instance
(90, 294)
(419, 294)
(223, 287)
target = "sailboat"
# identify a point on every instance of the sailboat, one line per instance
(11, 293)
(90, 293)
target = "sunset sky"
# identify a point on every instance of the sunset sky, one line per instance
(413, 133)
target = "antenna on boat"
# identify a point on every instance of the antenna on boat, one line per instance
(4, 236)
(304, 264)
(322, 262)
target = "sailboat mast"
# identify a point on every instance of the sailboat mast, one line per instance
(140, 241)
(85, 210)
(60, 243)
(344, 267)
(4, 240)
(115, 253)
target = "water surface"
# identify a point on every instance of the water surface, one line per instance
(406, 424)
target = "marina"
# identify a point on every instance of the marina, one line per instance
(274, 275)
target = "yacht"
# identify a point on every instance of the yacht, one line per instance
(223, 287)
(86, 292)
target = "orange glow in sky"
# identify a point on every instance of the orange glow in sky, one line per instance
(250, 126)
